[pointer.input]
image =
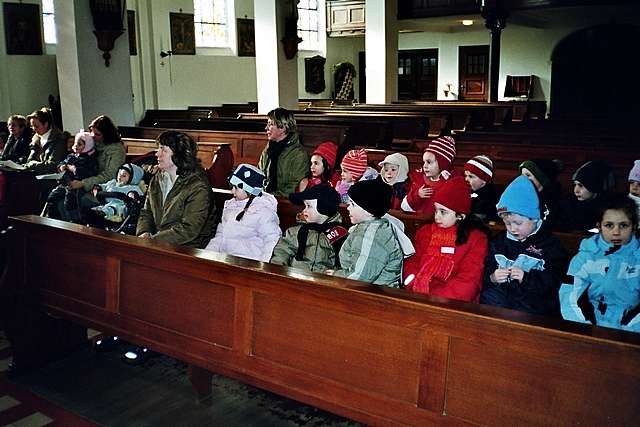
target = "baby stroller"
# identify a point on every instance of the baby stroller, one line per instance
(129, 222)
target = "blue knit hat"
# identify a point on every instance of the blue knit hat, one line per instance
(520, 197)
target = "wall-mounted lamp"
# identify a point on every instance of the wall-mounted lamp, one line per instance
(108, 21)
(164, 54)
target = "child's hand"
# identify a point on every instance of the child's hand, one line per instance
(72, 168)
(425, 192)
(146, 235)
(501, 275)
(516, 273)
(62, 168)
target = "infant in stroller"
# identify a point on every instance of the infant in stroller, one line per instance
(117, 195)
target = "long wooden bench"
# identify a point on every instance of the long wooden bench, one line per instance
(377, 355)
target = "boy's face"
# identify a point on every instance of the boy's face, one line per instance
(474, 182)
(430, 165)
(357, 214)
(310, 212)
(519, 226)
(316, 165)
(275, 133)
(616, 227)
(15, 128)
(78, 146)
(346, 175)
(634, 188)
(444, 217)
(239, 193)
(526, 172)
(581, 192)
(390, 172)
(123, 177)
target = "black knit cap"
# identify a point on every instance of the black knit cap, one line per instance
(327, 197)
(596, 175)
(546, 171)
(374, 196)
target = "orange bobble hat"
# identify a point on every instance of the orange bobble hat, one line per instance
(328, 150)
(355, 161)
(444, 148)
(454, 194)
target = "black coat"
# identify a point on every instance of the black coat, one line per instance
(17, 149)
(484, 201)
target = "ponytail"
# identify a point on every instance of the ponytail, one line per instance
(241, 214)
(466, 225)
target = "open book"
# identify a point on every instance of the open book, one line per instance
(11, 165)
(50, 176)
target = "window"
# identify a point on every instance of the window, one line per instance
(49, 21)
(210, 19)
(308, 25)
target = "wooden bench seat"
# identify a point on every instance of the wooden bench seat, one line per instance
(374, 354)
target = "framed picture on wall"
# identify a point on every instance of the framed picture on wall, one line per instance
(246, 37)
(131, 29)
(22, 29)
(183, 36)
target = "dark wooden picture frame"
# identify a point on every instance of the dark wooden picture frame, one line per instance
(183, 35)
(314, 74)
(246, 37)
(23, 28)
(131, 29)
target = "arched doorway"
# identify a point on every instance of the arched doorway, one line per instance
(592, 72)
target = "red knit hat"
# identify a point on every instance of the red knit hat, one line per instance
(355, 161)
(455, 195)
(444, 148)
(481, 166)
(328, 150)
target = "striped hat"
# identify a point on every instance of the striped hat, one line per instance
(444, 148)
(481, 166)
(355, 161)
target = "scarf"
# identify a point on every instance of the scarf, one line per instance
(438, 264)
(303, 235)
(274, 149)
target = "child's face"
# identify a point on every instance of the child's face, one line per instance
(519, 226)
(390, 172)
(616, 227)
(78, 146)
(70, 143)
(346, 175)
(581, 192)
(430, 165)
(239, 193)
(526, 172)
(357, 214)
(317, 168)
(310, 212)
(634, 188)
(123, 177)
(444, 217)
(474, 182)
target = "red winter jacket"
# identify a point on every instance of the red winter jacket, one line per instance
(417, 203)
(465, 281)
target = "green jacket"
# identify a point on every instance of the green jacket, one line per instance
(319, 254)
(110, 158)
(293, 165)
(43, 160)
(187, 216)
(372, 253)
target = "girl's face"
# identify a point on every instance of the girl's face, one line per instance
(78, 146)
(616, 227)
(519, 226)
(526, 172)
(310, 212)
(634, 188)
(97, 135)
(346, 175)
(317, 168)
(430, 165)
(474, 182)
(581, 192)
(390, 172)
(239, 193)
(164, 154)
(39, 127)
(123, 177)
(444, 217)
(357, 214)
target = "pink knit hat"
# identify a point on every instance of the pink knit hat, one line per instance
(634, 174)
(444, 148)
(88, 140)
(355, 161)
(481, 166)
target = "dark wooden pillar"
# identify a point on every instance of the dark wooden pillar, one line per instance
(495, 16)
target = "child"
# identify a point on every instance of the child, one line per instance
(80, 164)
(438, 158)
(314, 244)
(634, 185)
(605, 272)
(526, 262)
(394, 170)
(450, 252)
(580, 211)
(323, 161)
(250, 225)
(127, 181)
(372, 252)
(543, 173)
(354, 168)
(478, 172)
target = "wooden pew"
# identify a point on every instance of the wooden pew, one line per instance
(19, 194)
(374, 354)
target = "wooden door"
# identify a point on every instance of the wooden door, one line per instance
(418, 74)
(473, 73)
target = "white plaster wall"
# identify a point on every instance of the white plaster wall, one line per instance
(25, 80)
